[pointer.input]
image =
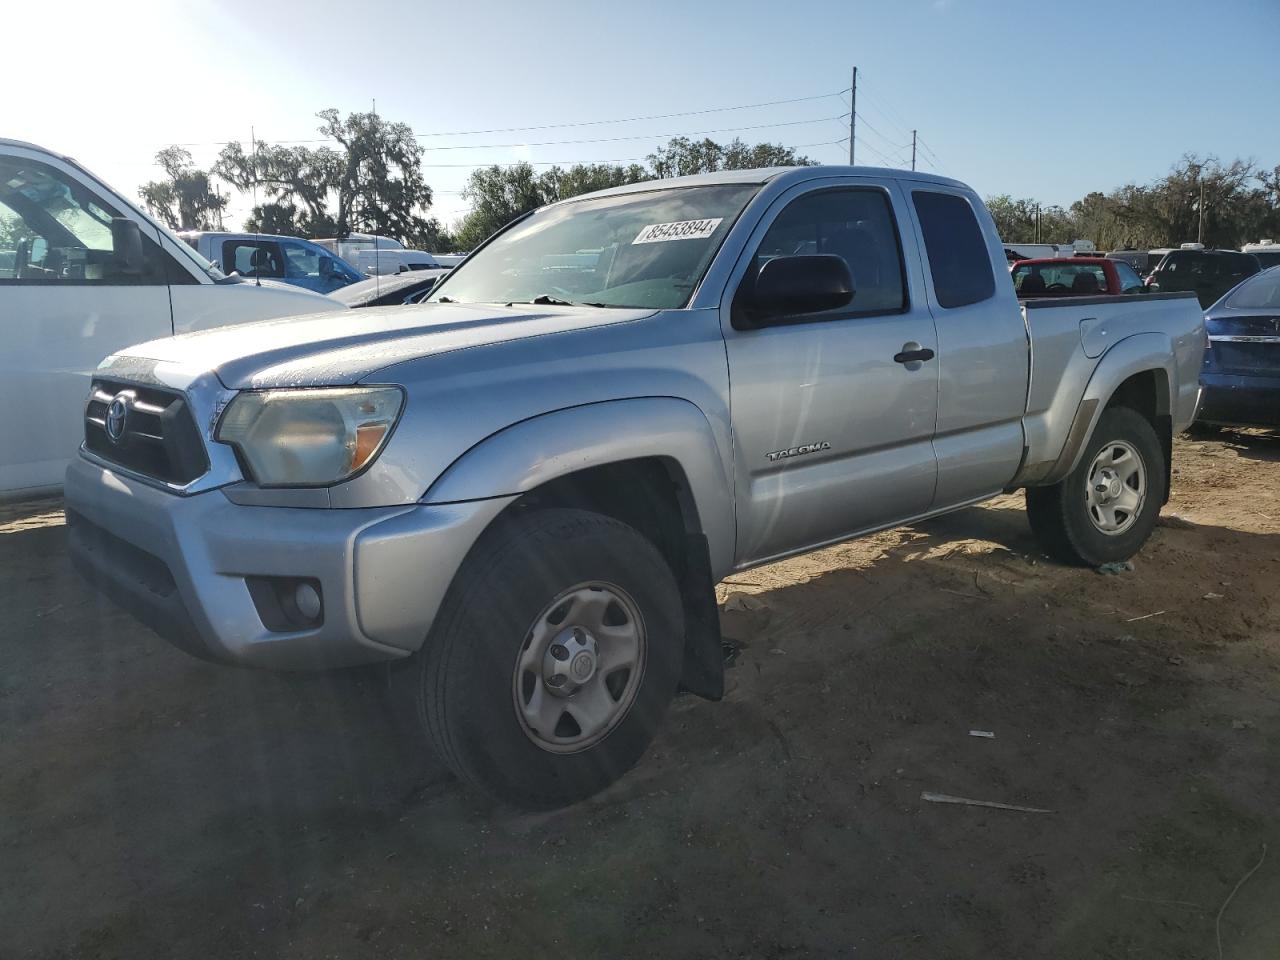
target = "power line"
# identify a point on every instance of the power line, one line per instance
(638, 136)
(655, 116)
(882, 107)
(889, 161)
(568, 123)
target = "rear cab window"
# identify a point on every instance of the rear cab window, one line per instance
(956, 248)
(1067, 279)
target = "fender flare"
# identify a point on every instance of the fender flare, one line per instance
(1140, 353)
(527, 454)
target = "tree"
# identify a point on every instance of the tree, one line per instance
(500, 194)
(297, 181)
(186, 200)
(497, 195)
(380, 184)
(560, 184)
(682, 157)
(374, 177)
(1016, 221)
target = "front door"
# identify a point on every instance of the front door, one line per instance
(65, 304)
(832, 434)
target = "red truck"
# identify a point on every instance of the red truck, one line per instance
(1074, 276)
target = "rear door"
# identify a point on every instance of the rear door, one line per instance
(65, 304)
(983, 349)
(832, 435)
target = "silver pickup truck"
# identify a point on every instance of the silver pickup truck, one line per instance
(522, 492)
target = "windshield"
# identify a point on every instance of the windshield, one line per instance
(628, 250)
(1260, 293)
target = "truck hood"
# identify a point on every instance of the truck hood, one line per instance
(344, 347)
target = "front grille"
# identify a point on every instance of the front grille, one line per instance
(159, 439)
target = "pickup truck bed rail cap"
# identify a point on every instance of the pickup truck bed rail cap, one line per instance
(1033, 303)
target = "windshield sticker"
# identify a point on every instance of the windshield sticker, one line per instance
(681, 230)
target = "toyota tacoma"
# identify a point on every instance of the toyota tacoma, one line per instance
(522, 492)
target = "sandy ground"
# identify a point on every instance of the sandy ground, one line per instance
(155, 806)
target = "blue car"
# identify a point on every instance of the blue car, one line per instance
(1240, 379)
(266, 256)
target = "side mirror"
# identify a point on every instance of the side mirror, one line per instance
(126, 244)
(794, 286)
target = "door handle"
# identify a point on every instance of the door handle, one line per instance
(913, 355)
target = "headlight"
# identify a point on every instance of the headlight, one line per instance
(309, 437)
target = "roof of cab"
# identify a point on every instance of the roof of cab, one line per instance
(769, 174)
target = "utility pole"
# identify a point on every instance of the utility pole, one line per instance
(853, 111)
(1200, 231)
(913, 149)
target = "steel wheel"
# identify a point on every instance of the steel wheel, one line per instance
(580, 667)
(1116, 488)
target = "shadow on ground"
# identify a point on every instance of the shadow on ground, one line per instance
(206, 811)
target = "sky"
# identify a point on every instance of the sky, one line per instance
(1048, 101)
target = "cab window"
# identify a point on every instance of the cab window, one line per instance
(855, 224)
(253, 258)
(53, 230)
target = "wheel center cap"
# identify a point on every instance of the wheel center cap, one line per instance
(571, 660)
(583, 666)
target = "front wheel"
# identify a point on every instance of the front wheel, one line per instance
(1106, 507)
(553, 658)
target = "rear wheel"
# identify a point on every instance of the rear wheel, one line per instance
(1106, 507)
(553, 658)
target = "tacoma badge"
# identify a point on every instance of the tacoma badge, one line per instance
(799, 451)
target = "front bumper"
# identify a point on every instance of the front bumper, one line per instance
(1230, 399)
(183, 566)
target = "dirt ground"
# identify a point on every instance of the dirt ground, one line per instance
(155, 806)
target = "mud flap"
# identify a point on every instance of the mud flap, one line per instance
(703, 671)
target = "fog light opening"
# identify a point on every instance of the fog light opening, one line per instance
(307, 599)
(287, 604)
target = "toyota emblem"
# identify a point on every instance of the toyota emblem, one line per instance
(117, 415)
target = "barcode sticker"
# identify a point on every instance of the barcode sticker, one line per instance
(680, 230)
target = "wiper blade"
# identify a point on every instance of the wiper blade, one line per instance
(547, 300)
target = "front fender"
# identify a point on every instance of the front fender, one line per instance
(1140, 353)
(527, 454)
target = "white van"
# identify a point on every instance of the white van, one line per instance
(85, 273)
(381, 263)
(1267, 251)
(375, 256)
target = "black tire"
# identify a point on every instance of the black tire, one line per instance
(1059, 514)
(459, 688)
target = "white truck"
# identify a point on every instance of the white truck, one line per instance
(84, 273)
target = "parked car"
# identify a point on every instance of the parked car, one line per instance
(375, 254)
(1267, 251)
(83, 274)
(290, 260)
(1142, 261)
(523, 492)
(1241, 374)
(1074, 276)
(409, 287)
(1206, 273)
(382, 263)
